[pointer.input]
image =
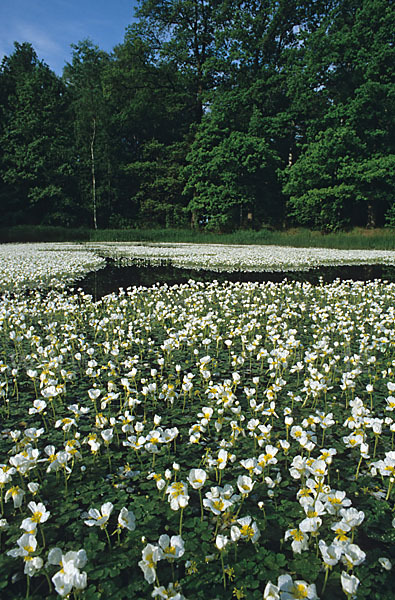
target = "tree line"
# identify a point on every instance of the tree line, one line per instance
(218, 114)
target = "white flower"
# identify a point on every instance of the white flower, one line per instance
(27, 545)
(216, 501)
(6, 474)
(38, 407)
(269, 458)
(171, 547)
(16, 493)
(150, 556)
(310, 524)
(245, 484)
(99, 518)
(352, 516)
(352, 555)
(385, 563)
(300, 540)
(29, 526)
(177, 495)
(221, 541)
(94, 393)
(107, 435)
(222, 459)
(126, 519)
(4, 524)
(32, 565)
(294, 590)
(246, 529)
(330, 554)
(336, 500)
(271, 592)
(170, 593)
(33, 487)
(197, 478)
(69, 575)
(298, 467)
(40, 515)
(349, 583)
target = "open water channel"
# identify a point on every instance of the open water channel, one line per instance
(112, 277)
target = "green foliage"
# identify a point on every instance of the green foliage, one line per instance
(208, 112)
(92, 140)
(344, 172)
(332, 185)
(35, 139)
(158, 177)
(227, 175)
(186, 34)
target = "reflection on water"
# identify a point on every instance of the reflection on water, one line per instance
(111, 278)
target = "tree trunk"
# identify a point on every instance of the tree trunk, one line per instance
(194, 220)
(93, 171)
(371, 217)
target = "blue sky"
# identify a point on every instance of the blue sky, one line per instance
(52, 25)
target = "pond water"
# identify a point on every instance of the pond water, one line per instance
(112, 277)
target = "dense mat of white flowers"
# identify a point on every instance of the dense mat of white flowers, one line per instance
(190, 429)
(218, 257)
(30, 265)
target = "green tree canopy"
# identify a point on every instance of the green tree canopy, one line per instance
(35, 136)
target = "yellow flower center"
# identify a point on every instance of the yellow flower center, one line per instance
(178, 489)
(299, 591)
(218, 504)
(36, 518)
(334, 500)
(341, 535)
(247, 531)
(297, 535)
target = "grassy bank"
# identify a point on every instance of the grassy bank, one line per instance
(43, 233)
(380, 239)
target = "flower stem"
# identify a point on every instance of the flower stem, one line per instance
(201, 505)
(181, 514)
(359, 465)
(108, 538)
(325, 580)
(223, 570)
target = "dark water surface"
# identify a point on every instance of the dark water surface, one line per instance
(112, 277)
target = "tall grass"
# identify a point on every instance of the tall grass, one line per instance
(380, 239)
(42, 233)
